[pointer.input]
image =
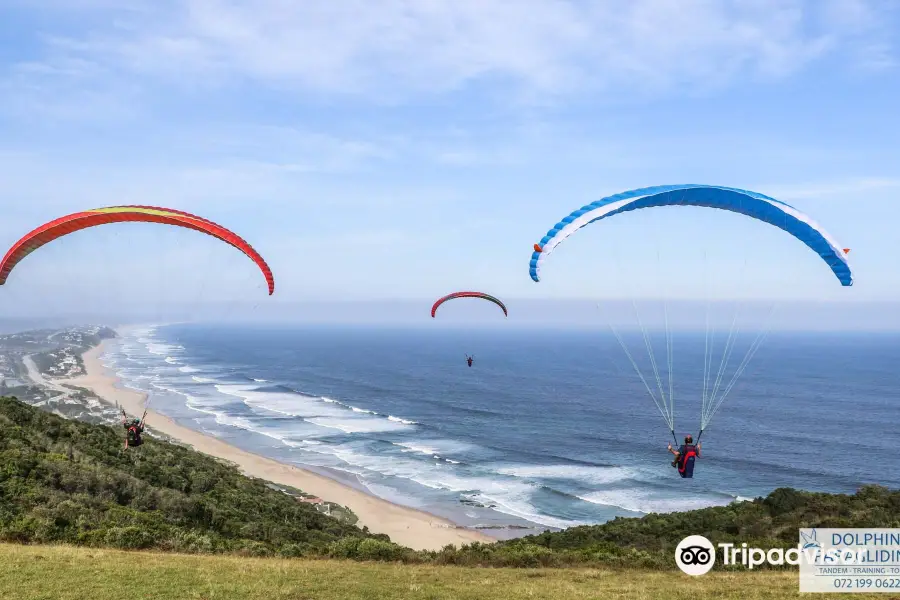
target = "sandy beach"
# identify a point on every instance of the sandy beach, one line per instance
(406, 526)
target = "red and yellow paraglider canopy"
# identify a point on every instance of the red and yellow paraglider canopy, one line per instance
(481, 295)
(121, 214)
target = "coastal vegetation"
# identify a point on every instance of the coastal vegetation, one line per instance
(63, 481)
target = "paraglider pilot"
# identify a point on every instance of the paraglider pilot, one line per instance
(685, 456)
(133, 430)
(469, 359)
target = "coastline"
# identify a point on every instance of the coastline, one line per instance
(406, 526)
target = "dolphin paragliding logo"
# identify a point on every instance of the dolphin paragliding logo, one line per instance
(809, 540)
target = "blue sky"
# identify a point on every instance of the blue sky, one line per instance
(406, 149)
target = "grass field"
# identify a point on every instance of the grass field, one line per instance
(65, 573)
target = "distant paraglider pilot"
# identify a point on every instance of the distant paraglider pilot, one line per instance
(685, 456)
(133, 430)
(455, 295)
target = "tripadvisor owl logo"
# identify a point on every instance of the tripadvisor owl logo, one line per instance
(695, 555)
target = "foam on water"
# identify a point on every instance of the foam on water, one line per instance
(162, 349)
(285, 403)
(352, 425)
(239, 422)
(288, 436)
(399, 420)
(408, 447)
(518, 505)
(437, 445)
(583, 474)
(166, 388)
(508, 495)
(320, 411)
(650, 501)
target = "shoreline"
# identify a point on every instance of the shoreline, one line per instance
(409, 527)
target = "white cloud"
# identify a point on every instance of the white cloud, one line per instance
(65, 88)
(393, 48)
(196, 167)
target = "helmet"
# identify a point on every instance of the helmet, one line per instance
(688, 439)
(136, 421)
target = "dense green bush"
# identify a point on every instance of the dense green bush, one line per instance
(70, 482)
(371, 549)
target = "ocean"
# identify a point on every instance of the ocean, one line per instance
(548, 429)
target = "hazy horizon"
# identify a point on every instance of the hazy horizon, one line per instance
(684, 316)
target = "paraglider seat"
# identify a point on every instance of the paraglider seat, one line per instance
(685, 462)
